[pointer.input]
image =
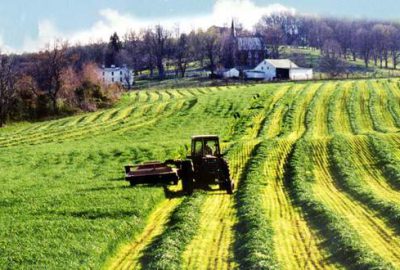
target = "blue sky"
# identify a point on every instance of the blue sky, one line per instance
(28, 25)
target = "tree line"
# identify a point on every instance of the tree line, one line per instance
(63, 79)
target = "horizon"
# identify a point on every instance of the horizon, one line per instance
(28, 27)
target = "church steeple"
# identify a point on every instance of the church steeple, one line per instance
(233, 29)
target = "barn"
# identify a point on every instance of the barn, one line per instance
(279, 69)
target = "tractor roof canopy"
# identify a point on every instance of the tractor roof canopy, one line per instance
(201, 137)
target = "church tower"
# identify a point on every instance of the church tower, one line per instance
(233, 29)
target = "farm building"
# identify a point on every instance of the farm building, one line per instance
(279, 69)
(241, 49)
(121, 75)
(231, 73)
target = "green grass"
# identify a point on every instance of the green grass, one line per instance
(64, 203)
(255, 246)
(165, 252)
(343, 242)
(339, 150)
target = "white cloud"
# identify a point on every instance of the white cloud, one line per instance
(245, 11)
(3, 47)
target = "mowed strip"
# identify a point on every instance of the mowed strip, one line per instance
(320, 112)
(367, 169)
(372, 230)
(361, 104)
(128, 256)
(341, 122)
(212, 248)
(149, 115)
(379, 109)
(297, 246)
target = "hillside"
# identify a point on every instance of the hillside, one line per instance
(317, 167)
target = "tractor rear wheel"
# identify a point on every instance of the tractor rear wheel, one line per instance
(230, 186)
(187, 177)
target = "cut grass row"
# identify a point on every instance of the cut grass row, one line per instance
(212, 247)
(211, 205)
(338, 119)
(342, 240)
(294, 245)
(386, 160)
(165, 251)
(104, 116)
(340, 151)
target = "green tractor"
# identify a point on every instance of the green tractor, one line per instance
(205, 166)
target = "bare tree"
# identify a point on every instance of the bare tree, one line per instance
(7, 88)
(196, 46)
(364, 45)
(330, 61)
(212, 47)
(48, 70)
(159, 45)
(394, 46)
(182, 53)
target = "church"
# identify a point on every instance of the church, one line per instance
(247, 51)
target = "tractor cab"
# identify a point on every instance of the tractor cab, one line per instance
(205, 146)
(208, 164)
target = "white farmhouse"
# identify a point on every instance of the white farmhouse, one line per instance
(280, 69)
(121, 75)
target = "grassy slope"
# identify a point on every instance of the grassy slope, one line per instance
(63, 203)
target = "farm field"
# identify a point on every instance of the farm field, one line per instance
(317, 166)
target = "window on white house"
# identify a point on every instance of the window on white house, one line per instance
(120, 73)
(120, 79)
(112, 79)
(112, 73)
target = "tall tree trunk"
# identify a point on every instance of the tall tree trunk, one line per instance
(54, 105)
(366, 61)
(160, 68)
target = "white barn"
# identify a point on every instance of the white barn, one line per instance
(279, 69)
(121, 75)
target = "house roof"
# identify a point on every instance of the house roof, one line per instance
(281, 63)
(250, 44)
